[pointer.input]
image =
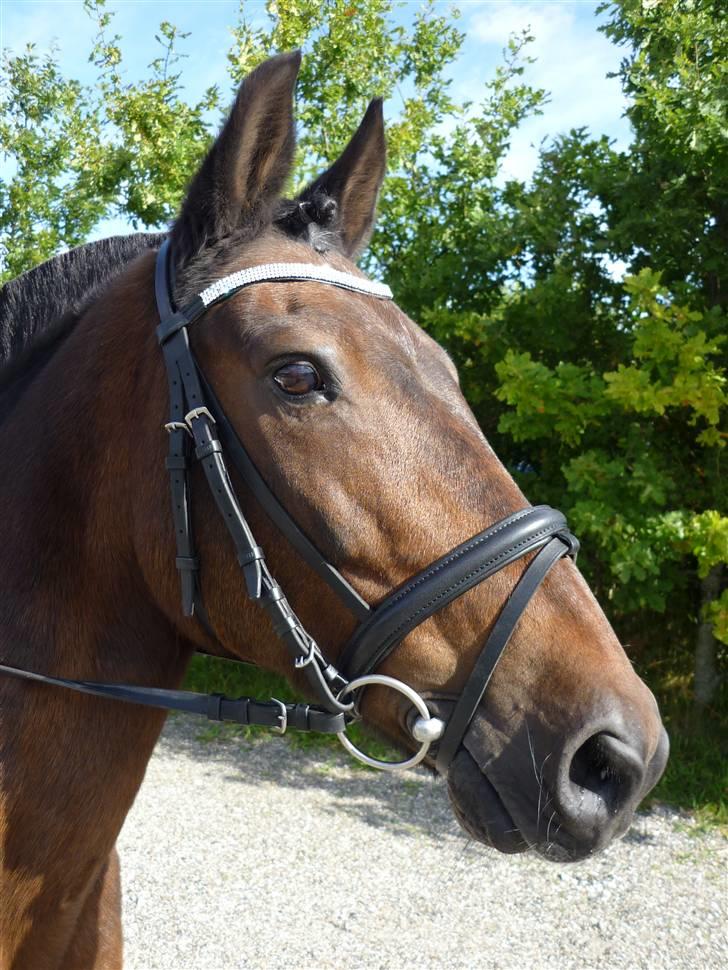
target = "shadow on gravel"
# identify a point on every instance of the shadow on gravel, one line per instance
(413, 803)
(639, 838)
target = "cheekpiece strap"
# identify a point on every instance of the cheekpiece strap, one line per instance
(193, 431)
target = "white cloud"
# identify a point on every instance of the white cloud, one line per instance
(572, 60)
(495, 22)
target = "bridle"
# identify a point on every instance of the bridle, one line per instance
(199, 432)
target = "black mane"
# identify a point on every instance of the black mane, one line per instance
(40, 306)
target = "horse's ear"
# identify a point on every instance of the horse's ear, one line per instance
(242, 177)
(354, 180)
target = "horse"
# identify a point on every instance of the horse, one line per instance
(358, 432)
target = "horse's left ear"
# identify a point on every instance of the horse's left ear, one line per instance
(354, 180)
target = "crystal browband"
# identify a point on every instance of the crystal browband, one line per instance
(271, 272)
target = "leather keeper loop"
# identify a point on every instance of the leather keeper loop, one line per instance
(182, 318)
(250, 555)
(572, 542)
(187, 563)
(214, 707)
(209, 448)
(169, 327)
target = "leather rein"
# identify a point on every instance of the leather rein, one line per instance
(199, 432)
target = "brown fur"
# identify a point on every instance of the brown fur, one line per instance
(388, 476)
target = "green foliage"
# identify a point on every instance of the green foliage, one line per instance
(673, 361)
(81, 154)
(696, 777)
(668, 192)
(50, 129)
(443, 236)
(615, 435)
(154, 139)
(565, 400)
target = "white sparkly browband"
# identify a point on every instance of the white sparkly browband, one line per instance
(282, 272)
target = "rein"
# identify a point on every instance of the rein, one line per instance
(199, 432)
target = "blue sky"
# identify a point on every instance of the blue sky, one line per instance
(572, 57)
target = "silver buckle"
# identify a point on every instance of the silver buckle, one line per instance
(282, 717)
(171, 426)
(197, 413)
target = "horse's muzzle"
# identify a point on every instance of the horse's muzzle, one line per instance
(566, 811)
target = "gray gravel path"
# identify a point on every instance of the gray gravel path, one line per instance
(245, 854)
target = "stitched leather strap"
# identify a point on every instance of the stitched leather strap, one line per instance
(445, 580)
(500, 634)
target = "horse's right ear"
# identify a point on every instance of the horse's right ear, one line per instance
(242, 177)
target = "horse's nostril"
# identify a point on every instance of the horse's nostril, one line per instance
(608, 768)
(600, 787)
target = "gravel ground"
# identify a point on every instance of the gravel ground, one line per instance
(242, 854)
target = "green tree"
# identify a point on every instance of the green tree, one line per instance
(637, 453)
(668, 195)
(49, 132)
(618, 387)
(78, 154)
(648, 397)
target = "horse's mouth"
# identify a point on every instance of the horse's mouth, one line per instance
(478, 806)
(481, 812)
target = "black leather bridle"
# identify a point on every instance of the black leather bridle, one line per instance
(199, 432)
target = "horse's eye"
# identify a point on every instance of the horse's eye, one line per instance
(298, 377)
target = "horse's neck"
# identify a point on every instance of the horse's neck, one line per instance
(70, 580)
(74, 602)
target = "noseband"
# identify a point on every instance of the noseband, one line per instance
(200, 432)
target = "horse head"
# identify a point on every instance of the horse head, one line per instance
(354, 418)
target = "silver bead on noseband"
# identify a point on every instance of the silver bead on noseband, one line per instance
(428, 729)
